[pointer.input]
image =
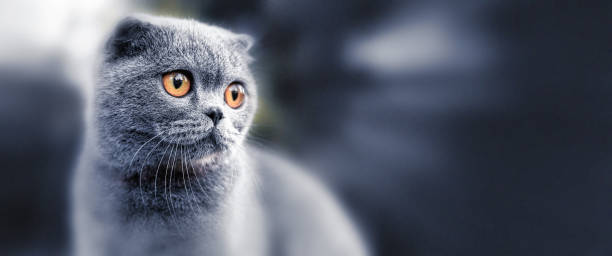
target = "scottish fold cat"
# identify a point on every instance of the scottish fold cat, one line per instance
(165, 169)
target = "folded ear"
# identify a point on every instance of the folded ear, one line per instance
(130, 37)
(243, 42)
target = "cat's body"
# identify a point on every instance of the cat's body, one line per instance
(167, 172)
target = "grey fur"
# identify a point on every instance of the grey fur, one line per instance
(157, 177)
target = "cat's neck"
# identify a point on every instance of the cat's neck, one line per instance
(228, 226)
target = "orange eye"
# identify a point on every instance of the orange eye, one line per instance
(234, 95)
(176, 83)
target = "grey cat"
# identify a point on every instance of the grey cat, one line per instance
(165, 169)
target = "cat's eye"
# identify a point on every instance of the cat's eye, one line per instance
(176, 83)
(234, 95)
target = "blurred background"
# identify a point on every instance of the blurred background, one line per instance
(446, 127)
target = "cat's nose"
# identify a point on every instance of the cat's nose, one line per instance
(215, 115)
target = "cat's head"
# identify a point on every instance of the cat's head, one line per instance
(168, 85)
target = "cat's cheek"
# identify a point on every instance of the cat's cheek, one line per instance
(227, 132)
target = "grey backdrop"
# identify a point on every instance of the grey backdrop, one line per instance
(503, 150)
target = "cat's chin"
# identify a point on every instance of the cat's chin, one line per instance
(209, 158)
(177, 185)
(205, 149)
(211, 143)
(170, 155)
(185, 157)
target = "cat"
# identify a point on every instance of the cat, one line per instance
(165, 168)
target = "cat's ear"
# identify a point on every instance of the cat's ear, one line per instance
(129, 38)
(243, 42)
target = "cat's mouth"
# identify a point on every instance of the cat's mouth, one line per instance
(176, 187)
(211, 139)
(195, 147)
(181, 173)
(178, 177)
(172, 172)
(175, 165)
(172, 153)
(204, 150)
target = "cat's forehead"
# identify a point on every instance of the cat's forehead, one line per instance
(197, 44)
(192, 28)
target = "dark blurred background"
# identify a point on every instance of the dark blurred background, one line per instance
(446, 127)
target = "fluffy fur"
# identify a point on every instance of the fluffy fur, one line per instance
(158, 177)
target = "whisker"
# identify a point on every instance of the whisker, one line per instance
(140, 148)
(199, 184)
(261, 125)
(257, 141)
(183, 173)
(157, 170)
(170, 192)
(173, 217)
(166, 176)
(190, 185)
(142, 167)
(171, 175)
